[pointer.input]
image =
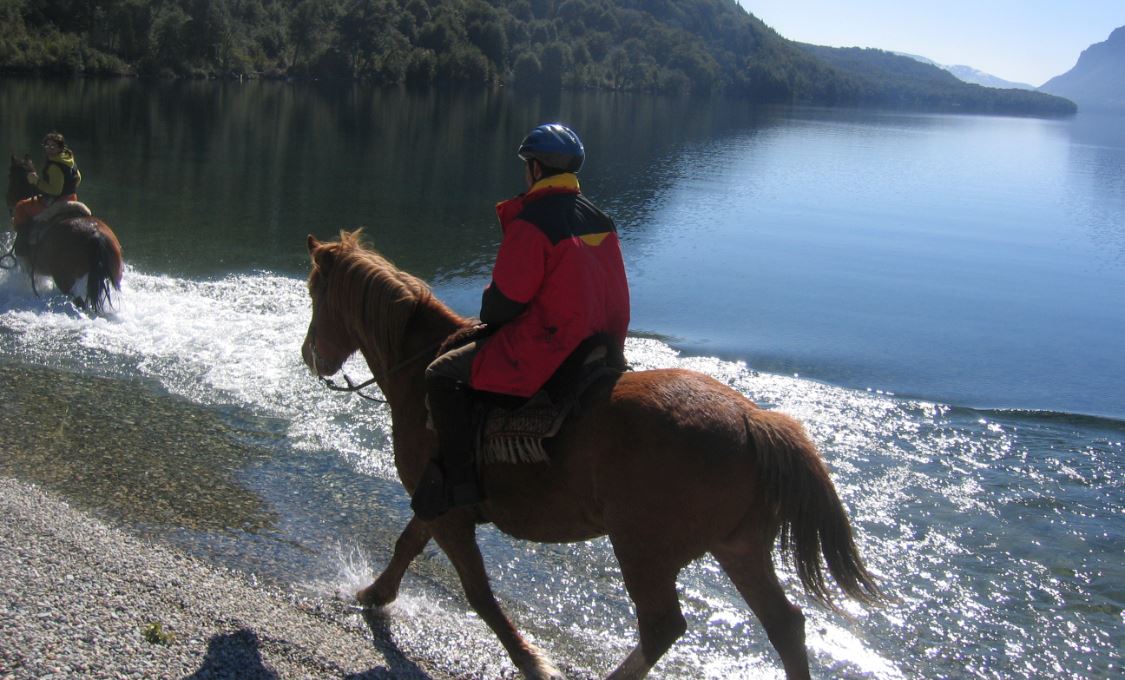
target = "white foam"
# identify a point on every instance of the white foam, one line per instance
(229, 342)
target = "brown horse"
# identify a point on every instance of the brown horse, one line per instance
(70, 246)
(670, 464)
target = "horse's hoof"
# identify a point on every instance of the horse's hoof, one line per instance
(370, 597)
(539, 667)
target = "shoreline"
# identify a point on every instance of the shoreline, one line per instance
(78, 598)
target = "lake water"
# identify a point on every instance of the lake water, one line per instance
(938, 298)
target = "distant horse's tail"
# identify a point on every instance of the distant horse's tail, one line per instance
(812, 518)
(105, 271)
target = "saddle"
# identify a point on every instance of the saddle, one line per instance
(33, 232)
(62, 210)
(513, 430)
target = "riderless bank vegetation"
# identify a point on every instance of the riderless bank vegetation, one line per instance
(665, 46)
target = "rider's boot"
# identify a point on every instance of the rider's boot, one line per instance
(450, 480)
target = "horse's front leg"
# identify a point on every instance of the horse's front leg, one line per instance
(455, 532)
(409, 545)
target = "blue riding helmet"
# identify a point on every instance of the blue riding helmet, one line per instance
(554, 145)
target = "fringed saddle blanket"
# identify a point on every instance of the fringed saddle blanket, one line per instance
(517, 435)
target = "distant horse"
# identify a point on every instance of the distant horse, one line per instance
(670, 464)
(69, 247)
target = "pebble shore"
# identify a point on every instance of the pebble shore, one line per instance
(82, 599)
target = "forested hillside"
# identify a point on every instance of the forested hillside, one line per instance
(667, 46)
(888, 79)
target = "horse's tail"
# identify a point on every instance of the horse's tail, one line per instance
(105, 271)
(812, 519)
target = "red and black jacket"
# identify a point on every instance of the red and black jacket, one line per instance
(558, 279)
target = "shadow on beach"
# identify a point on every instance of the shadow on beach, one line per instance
(233, 655)
(238, 656)
(398, 666)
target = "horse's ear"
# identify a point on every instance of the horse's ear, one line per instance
(320, 253)
(350, 239)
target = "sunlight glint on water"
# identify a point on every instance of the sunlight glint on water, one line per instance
(928, 487)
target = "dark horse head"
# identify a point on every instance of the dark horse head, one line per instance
(18, 186)
(66, 247)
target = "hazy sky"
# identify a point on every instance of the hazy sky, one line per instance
(1026, 41)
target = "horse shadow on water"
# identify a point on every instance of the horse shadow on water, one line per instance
(238, 656)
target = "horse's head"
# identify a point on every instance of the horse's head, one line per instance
(362, 302)
(18, 186)
(328, 344)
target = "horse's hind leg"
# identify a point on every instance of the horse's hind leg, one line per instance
(751, 570)
(456, 536)
(652, 586)
(408, 546)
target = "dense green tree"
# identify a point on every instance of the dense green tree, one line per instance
(528, 72)
(491, 39)
(168, 44)
(68, 16)
(208, 36)
(129, 25)
(555, 62)
(308, 30)
(464, 63)
(421, 67)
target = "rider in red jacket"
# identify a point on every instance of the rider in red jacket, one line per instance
(558, 279)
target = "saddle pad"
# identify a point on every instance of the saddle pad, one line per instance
(57, 211)
(517, 435)
(63, 210)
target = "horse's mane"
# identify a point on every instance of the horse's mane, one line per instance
(365, 287)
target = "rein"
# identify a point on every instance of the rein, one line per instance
(356, 387)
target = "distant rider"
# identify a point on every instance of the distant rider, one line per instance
(558, 279)
(58, 182)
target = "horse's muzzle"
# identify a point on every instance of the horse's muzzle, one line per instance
(311, 357)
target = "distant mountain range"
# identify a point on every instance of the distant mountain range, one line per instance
(1097, 81)
(969, 74)
(972, 75)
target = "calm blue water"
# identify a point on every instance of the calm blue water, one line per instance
(976, 261)
(938, 299)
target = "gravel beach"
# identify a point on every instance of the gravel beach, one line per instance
(81, 599)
